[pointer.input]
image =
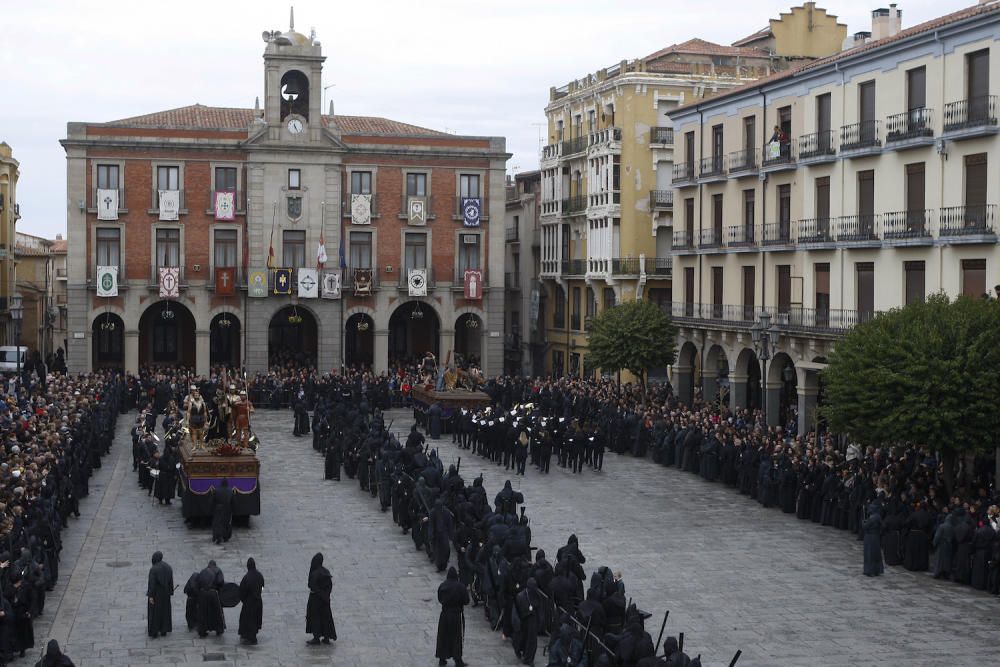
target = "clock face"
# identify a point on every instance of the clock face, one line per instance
(295, 126)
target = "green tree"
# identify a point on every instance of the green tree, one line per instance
(633, 336)
(926, 374)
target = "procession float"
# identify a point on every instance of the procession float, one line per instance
(454, 390)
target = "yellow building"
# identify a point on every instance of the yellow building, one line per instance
(35, 284)
(607, 171)
(879, 187)
(9, 214)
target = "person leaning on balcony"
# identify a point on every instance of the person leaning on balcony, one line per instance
(781, 138)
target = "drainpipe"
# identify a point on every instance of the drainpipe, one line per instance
(937, 38)
(843, 177)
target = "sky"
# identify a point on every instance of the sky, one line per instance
(463, 66)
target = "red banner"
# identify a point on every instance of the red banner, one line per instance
(225, 281)
(473, 284)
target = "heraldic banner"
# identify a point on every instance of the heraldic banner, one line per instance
(107, 281)
(225, 281)
(361, 209)
(170, 282)
(282, 281)
(308, 284)
(331, 284)
(107, 204)
(257, 283)
(225, 205)
(170, 204)
(473, 284)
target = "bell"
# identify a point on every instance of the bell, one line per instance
(290, 90)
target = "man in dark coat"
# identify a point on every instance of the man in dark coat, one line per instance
(527, 604)
(159, 591)
(54, 657)
(982, 543)
(915, 554)
(944, 547)
(166, 482)
(319, 616)
(222, 512)
(191, 608)
(453, 597)
(442, 530)
(872, 529)
(434, 420)
(252, 610)
(210, 616)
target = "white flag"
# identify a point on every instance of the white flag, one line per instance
(308, 284)
(107, 204)
(170, 204)
(417, 281)
(331, 284)
(361, 209)
(321, 251)
(170, 282)
(107, 281)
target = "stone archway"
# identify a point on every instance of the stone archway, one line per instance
(414, 330)
(359, 341)
(225, 337)
(107, 334)
(745, 380)
(469, 340)
(687, 369)
(782, 394)
(292, 337)
(166, 335)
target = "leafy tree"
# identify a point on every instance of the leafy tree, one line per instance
(633, 336)
(926, 374)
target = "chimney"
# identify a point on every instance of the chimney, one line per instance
(886, 22)
(59, 237)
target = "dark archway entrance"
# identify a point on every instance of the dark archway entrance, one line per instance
(359, 341)
(224, 343)
(108, 341)
(166, 335)
(469, 340)
(292, 337)
(414, 330)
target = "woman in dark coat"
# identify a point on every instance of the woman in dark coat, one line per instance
(319, 617)
(159, 590)
(982, 545)
(453, 597)
(872, 529)
(252, 611)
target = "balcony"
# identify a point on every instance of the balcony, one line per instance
(239, 278)
(404, 207)
(459, 214)
(154, 277)
(154, 205)
(777, 157)
(122, 207)
(684, 174)
(574, 205)
(61, 274)
(743, 163)
(740, 236)
(683, 239)
(712, 169)
(239, 200)
(608, 135)
(777, 233)
(711, 238)
(573, 267)
(907, 225)
(662, 136)
(551, 152)
(661, 200)
(549, 267)
(551, 207)
(860, 139)
(790, 318)
(625, 266)
(973, 117)
(817, 148)
(345, 206)
(814, 230)
(570, 147)
(908, 129)
(348, 277)
(978, 222)
(861, 228)
(661, 267)
(92, 278)
(604, 198)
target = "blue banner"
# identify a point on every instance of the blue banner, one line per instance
(282, 281)
(471, 211)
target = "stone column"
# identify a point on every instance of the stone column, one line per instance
(131, 351)
(685, 383)
(773, 403)
(202, 351)
(737, 391)
(709, 384)
(381, 350)
(446, 344)
(807, 407)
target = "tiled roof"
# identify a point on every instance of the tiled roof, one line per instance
(927, 26)
(199, 116)
(704, 48)
(760, 34)
(59, 246)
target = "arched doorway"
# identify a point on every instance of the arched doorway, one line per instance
(715, 380)
(224, 341)
(292, 337)
(782, 384)
(359, 341)
(107, 334)
(746, 380)
(469, 340)
(166, 335)
(414, 329)
(687, 371)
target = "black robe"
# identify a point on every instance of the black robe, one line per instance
(222, 513)
(319, 616)
(191, 608)
(158, 593)
(916, 553)
(982, 544)
(872, 528)
(252, 609)
(453, 597)
(210, 616)
(891, 539)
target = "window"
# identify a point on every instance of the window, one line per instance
(468, 185)
(717, 147)
(577, 305)
(415, 253)
(558, 363)
(823, 120)
(974, 277)
(749, 215)
(468, 254)
(416, 185)
(109, 247)
(225, 247)
(915, 198)
(168, 247)
(821, 274)
(914, 288)
(689, 219)
(689, 153)
(107, 177)
(591, 303)
(916, 88)
(294, 179)
(822, 199)
(750, 137)
(866, 203)
(717, 291)
(975, 180)
(225, 179)
(785, 120)
(784, 272)
(977, 71)
(361, 182)
(559, 311)
(168, 178)
(361, 250)
(293, 248)
(689, 291)
(749, 287)
(609, 298)
(717, 219)
(866, 103)
(865, 279)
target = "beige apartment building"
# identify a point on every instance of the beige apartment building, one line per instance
(10, 212)
(879, 186)
(607, 198)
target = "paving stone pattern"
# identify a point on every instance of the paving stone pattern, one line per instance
(734, 575)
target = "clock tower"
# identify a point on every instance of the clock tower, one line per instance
(293, 76)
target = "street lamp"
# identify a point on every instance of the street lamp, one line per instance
(764, 337)
(17, 314)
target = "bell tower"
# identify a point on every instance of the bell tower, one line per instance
(293, 83)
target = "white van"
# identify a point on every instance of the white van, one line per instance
(8, 357)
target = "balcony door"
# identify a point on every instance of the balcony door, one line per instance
(749, 288)
(866, 203)
(823, 123)
(784, 288)
(978, 84)
(915, 197)
(916, 88)
(822, 230)
(822, 279)
(865, 283)
(866, 112)
(717, 285)
(689, 291)
(975, 190)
